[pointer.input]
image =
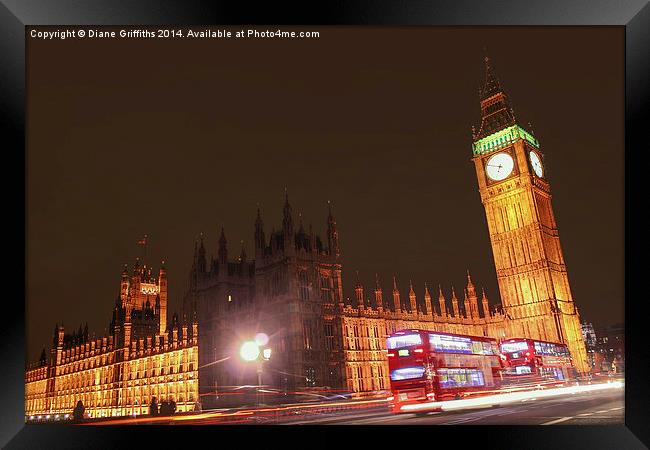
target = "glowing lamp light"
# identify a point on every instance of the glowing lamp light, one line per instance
(266, 353)
(249, 351)
(261, 339)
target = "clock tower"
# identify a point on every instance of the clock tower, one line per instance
(516, 194)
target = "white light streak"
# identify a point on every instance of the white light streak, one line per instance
(511, 397)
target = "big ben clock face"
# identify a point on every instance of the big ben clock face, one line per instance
(499, 166)
(537, 164)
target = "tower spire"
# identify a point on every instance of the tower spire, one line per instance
(260, 241)
(287, 220)
(396, 300)
(442, 302)
(496, 113)
(379, 296)
(491, 85)
(454, 302)
(201, 262)
(427, 300)
(223, 249)
(485, 304)
(412, 299)
(332, 233)
(471, 300)
(358, 290)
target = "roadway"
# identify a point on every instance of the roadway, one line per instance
(586, 408)
(599, 403)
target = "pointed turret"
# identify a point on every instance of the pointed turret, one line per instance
(442, 302)
(332, 233)
(260, 241)
(465, 308)
(287, 217)
(223, 248)
(412, 299)
(454, 303)
(397, 304)
(124, 285)
(470, 286)
(137, 271)
(358, 292)
(427, 300)
(472, 300)
(161, 298)
(379, 295)
(485, 304)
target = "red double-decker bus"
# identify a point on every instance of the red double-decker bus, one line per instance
(427, 366)
(536, 359)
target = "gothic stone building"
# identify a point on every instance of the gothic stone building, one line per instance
(117, 375)
(292, 290)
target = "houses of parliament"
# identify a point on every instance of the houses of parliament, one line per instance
(292, 290)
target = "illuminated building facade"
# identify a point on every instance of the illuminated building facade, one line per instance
(516, 194)
(117, 375)
(292, 290)
(368, 321)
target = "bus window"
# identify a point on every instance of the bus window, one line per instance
(455, 378)
(510, 347)
(407, 373)
(406, 340)
(450, 344)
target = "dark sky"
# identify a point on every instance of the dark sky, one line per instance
(176, 137)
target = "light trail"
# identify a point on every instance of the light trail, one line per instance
(237, 414)
(510, 397)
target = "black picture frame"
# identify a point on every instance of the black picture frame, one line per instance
(634, 15)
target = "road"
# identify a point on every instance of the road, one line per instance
(588, 408)
(589, 404)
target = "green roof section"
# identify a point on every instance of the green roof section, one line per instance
(502, 139)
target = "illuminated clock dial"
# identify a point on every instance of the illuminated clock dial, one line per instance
(499, 166)
(537, 164)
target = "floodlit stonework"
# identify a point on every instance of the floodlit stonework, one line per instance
(292, 290)
(118, 374)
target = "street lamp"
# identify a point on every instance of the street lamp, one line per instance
(250, 351)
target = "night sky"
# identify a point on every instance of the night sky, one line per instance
(172, 138)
